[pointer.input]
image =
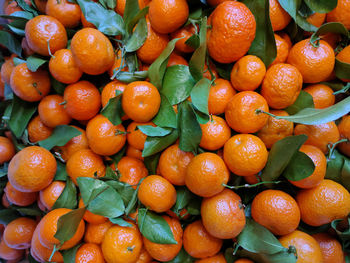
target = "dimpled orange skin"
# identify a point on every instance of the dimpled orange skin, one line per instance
(168, 15)
(83, 100)
(135, 137)
(316, 19)
(157, 193)
(322, 95)
(141, 101)
(307, 248)
(85, 163)
(144, 257)
(344, 130)
(175, 59)
(282, 50)
(95, 233)
(245, 154)
(320, 135)
(66, 12)
(275, 129)
(232, 31)
(215, 133)
(164, 252)
(206, 174)
(37, 130)
(219, 258)
(198, 243)
(223, 214)
(241, 112)
(184, 34)
(133, 152)
(247, 73)
(18, 233)
(7, 149)
(320, 162)
(314, 64)
(7, 68)
(278, 16)
(8, 253)
(340, 13)
(51, 111)
(331, 248)
(109, 91)
(29, 86)
(173, 163)
(132, 170)
(244, 260)
(220, 93)
(63, 67)
(324, 203)
(43, 29)
(32, 169)
(102, 136)
(90, 217)
(277, 211)
(89, 253)
(122, 244)
(19, 198)
(50, 194)
(92, 51)
(344, 56)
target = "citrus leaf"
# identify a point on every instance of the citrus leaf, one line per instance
(334, 166)
(9, 41)
(8, 215)
(68, 198)
(300, 167)
(331, 27)
(130, 11)
(69, 254)
(125, 190)
(60, 136)
(110, 3)
(57, 86)
(34, 62)
(128, 77)
(3, 169)
(193, 41)
(17, 31)
(345, 174)
(120, 222)
(90, 188)
(131, 202)
(183, 198)
(24, 5)
(321, 6)
(343, 234)
(284, 256)
(155, 145)
(32, 210)
(303, 101)
(182, 257)
(200, 94)
(154, 227)
(166, 116)
(61, 173)
(151, 163)
(154, 131)
(138, 37)
(113, 110)
(342, 69)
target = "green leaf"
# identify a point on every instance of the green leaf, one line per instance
(32, 210)
(22, 112)
(197, 61)
(300, 166)
(182, 257)
(128, 77)
(110, 3)
(321, 6)
(157, 69)
(342, 69)
(68, 198)
(90, 188)
(200, 94)
(138, 37)
(280, 155)
(24, 5)
(69, 255)
(61, 173)
(106, 21)
(33, 63)
(154, 145)
(68, 224)
(9, 41)
(113, 110)
(177, 84)
(264, 44)
(343, 234)
(284, 256)
(190, 130)
(151, 163)
(183, 198)
(129, 25)
(334, 166)
(125, 191)
(224, 70)
(257, 239)
(130, 11)
(3, 169)
(57, 86)
(154, 227)
(166, 116)
(7, 215)
(345, 174)
(132, 201)
(120, 222)
(60, 136)
(118, 156)
(331, 27)
(18, 61)
(193, 41)
(154, 131)
(303, 101)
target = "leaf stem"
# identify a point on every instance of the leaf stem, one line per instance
(251, 185)
(332, 146)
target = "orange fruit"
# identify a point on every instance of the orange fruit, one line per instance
(184, 33)
(316, 19)
(232, 31)
(223, 214)
(48, 226)
(43, 31)
(119, 62)
(62, 66)
(85, 163)
(324, 203)
(5, 203)
(7, 68)
(215, 133)
(91, 217)
(89, 253)
(37, 130)
(141, 101)
(320, 162)
(132, 170)
(245, 154)
(83, 100)
(122, 244)
(104, 138)
(86, 23)
(109, 91)
(157, 193)
(50, 194)
(120, 6)
(51, 111)
(277, 211)
(307, 249)
(314, 64)
(248, 73)
(207, 73)
(243, 260)
(198, 243)
(134, 152)
(278, 16)
(167, 15)
(11, 8)
(41, 5)
(66, 12)
(29, 86)
(283, 48)
(18, 233)
(92, 51)
(173, 163)
(95, 233)
(220, 93)
(166, 252)
(135, 137)
(206, 174)
(19, 198)
(275, 129)
(153, 46)
(175, 59)
(286, 38)
(320, 135)
(344, 130)
(7, 150)
(344, 56)
(144, 257)
(331, 249)
(340, 14)
(32, 169)
(219, 258)
(322, 95)
(241, 112)
(8, 253)
(282, 85)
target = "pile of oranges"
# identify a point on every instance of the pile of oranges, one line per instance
(175, 131)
